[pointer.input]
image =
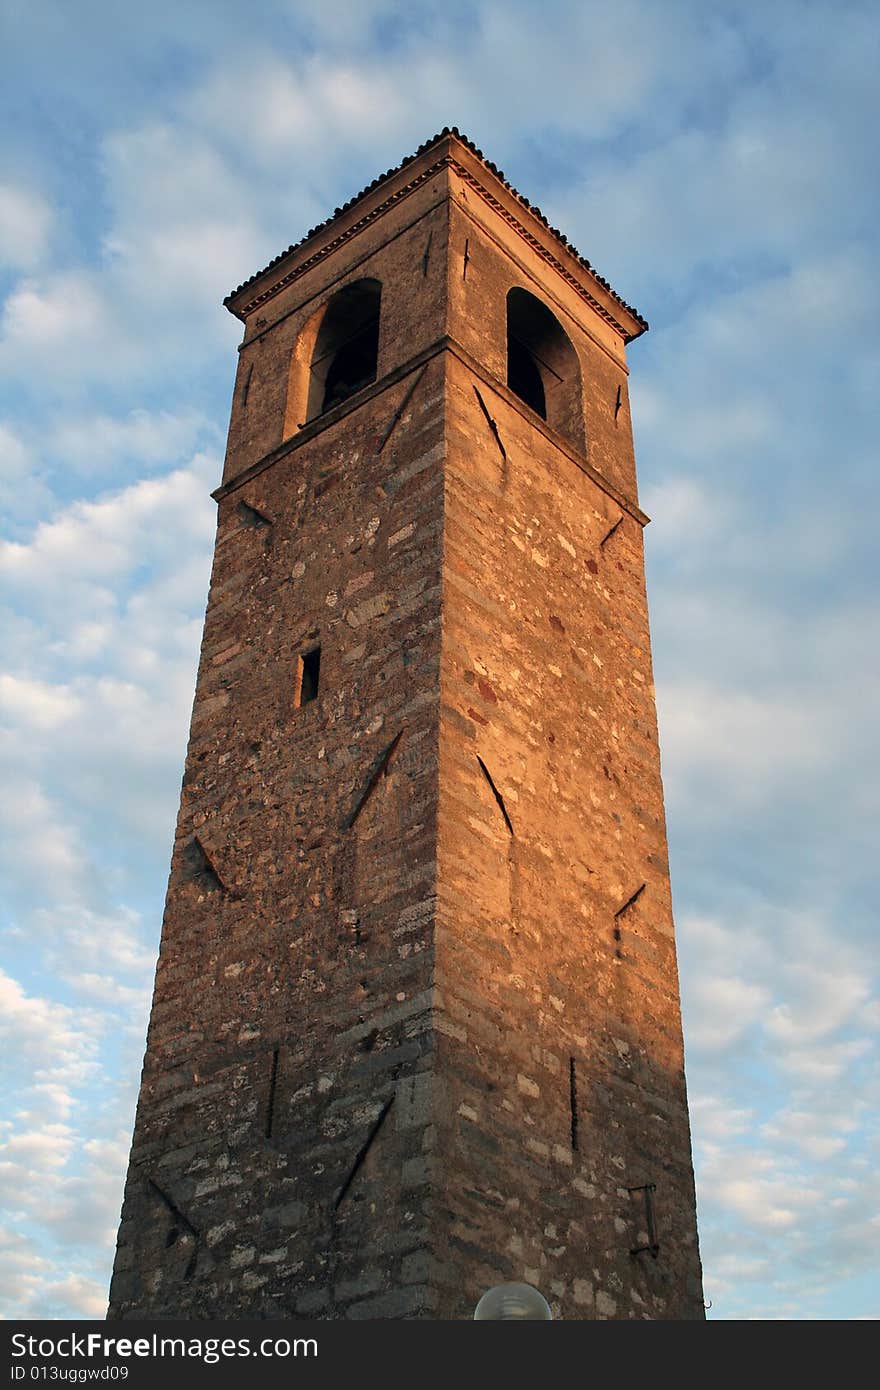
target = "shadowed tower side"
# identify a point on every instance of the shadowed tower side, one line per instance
(416, 1028)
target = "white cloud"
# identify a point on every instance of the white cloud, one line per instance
(780, 1100)
(35, 704)
(798, 306)
(684, 508)
(185, 231)
(279, 109)
(38, 1153)
(744, 746)
(43, 320)
(47, 1043)
(95, 442)
(109, 989)
(25, 225)
(827, 1063)
(23, 489)
(81, 940)
(15, 458)
(722, 1009)
(108, 538)
(114, 590)
(733, 1270)
(799, 995)
(764, 1188)
(715, 1119)
(62, 1154)
(75, 1297)
(821, 1135)
(23, 1272)
(38, 839)
(826, 1000)
(762, 1203)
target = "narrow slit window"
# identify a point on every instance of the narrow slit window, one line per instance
(308, 677)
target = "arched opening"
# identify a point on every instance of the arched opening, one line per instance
(542, 365)
(524, 376)
(346, 347)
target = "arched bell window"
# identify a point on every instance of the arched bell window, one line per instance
(346, 347)
(542, 365)
(335, 354)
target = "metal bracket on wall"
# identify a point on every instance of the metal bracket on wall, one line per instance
(362, 1153)
(252, 516)
(496, 793)
(382, 767)
(273, 1086)
(400, 409)
(653, 1246)
(207, 864)
(180, 1222)
(630, 902)
(492, 425)
(608, 534)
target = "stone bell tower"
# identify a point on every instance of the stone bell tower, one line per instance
(416, 1028)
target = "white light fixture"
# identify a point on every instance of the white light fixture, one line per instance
(507, 1301)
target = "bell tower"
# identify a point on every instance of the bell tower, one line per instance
(415, 1029)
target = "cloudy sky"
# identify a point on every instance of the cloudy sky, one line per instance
(716, 162)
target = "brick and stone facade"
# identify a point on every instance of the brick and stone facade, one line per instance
(415, 1028)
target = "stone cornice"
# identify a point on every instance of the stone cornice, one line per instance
(377, 388)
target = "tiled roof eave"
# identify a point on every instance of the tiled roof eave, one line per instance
(242, 310)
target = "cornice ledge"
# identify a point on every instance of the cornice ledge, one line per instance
(449, 161)
(243, 310)
(376, 388)
(546, 255)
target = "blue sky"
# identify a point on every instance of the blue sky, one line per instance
(716, 162)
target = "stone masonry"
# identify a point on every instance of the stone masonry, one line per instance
(415, 1028)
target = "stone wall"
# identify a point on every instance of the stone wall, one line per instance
(559, 1039)
(415, 1028)
(292, 997)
